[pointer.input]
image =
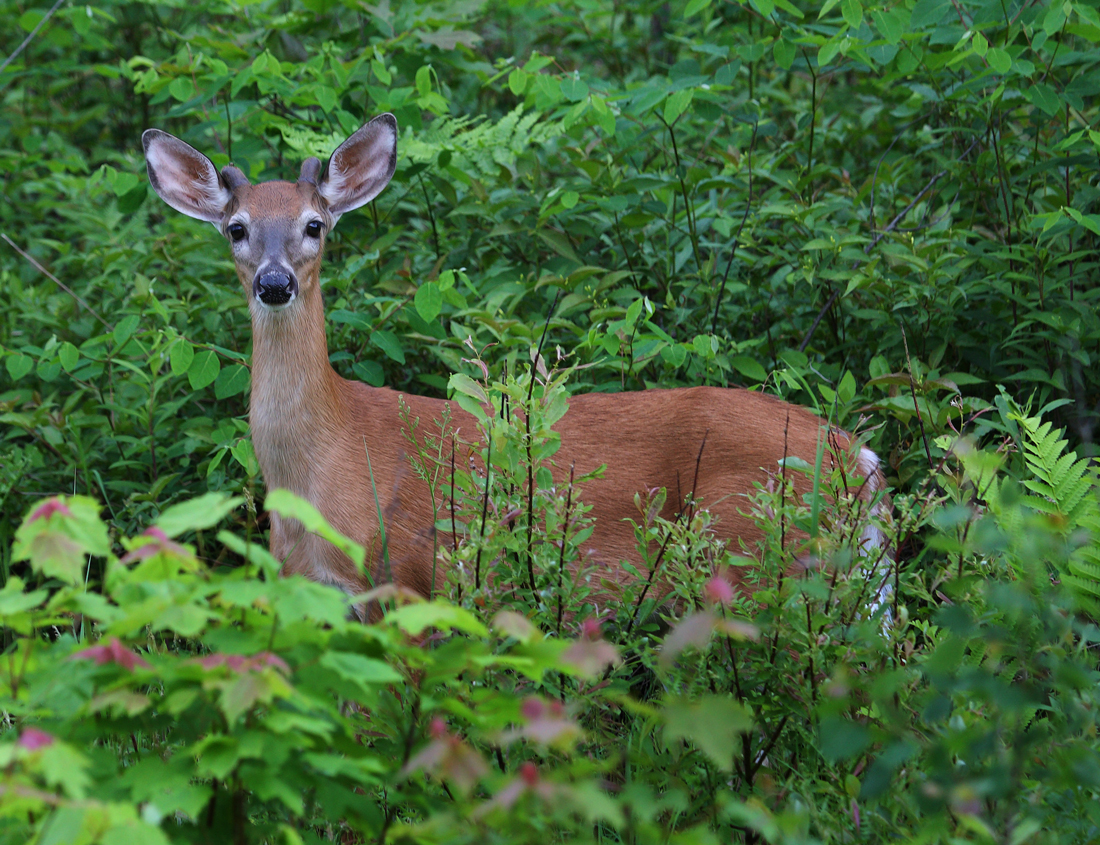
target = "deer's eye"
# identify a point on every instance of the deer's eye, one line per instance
(313, 229)
(237, 231)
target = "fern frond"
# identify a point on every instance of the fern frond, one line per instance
(1064, 483)
(1065, 486)
(479, 146)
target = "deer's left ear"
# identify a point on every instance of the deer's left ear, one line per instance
(361, 166)
(184, 178)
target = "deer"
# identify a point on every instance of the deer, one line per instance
(314, 431)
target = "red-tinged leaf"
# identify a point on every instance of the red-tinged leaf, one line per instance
(463, 766)
(448, 757)
(48, 508)
(737, 629)
(249, 689)
(157, 541)
(58, 533)
(694, 630)
(112, 652)
(591, 629)
(546, 724)
(589, 658)
(56, 556)
(32, 739)
(427, 758)
(514, 625)
(718, 591)
(238, 663)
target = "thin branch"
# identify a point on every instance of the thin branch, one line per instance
(30, 37)
(56, 281)
(867, 251)
(737, 237)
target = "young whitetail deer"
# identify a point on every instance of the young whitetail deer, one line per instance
(313, 430)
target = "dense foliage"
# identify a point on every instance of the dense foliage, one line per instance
(885, 211)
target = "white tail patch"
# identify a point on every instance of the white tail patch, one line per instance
(873, 541)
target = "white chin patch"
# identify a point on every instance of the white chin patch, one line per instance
(272, 307)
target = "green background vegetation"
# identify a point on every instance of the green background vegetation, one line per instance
(884, 211)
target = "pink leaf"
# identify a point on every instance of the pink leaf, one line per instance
(48, 508)
(590, 657)
(112, 652)
(239, 663)
(158, 542)
(32, 739)
(718, 591)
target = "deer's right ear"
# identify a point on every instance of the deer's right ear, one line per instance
(184, 178)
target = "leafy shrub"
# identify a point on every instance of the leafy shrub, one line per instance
(186, 702)
(883, 210)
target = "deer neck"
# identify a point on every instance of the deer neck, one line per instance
(297, 407)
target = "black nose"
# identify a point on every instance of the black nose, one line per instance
(275, 288)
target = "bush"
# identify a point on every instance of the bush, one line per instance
(883, 212)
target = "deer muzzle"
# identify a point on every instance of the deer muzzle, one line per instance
(274, 288)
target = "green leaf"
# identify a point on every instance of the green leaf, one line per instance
(181, 88)
(180, 356)
(428, 301)
(928, 12)
(326, 97)
(998, 59)
(69, 356)
(604, 117)
(13, 600)
(704, 345)
(197, 514)
(290, 506)
(424, 80)
(846, 390)
(387, 341)
(573, 88)
(244, 454)
(204, 369)
(122, 182)
(379, 70)
(852, 10)
(677, 103)
(1054, 18)
(414, 618)
(517, 82)
(713, 723)
(249, 688)
(18, 365)
(891, 23)
(365, 672)
(748, 367)
(784, 53)
(1043, 97)
(675, 354)
(842, 739)
(58, 533)
(462, 383)
(124, 328)
(232, 380)
(646, 98)
(560, 244)
(694, 7)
